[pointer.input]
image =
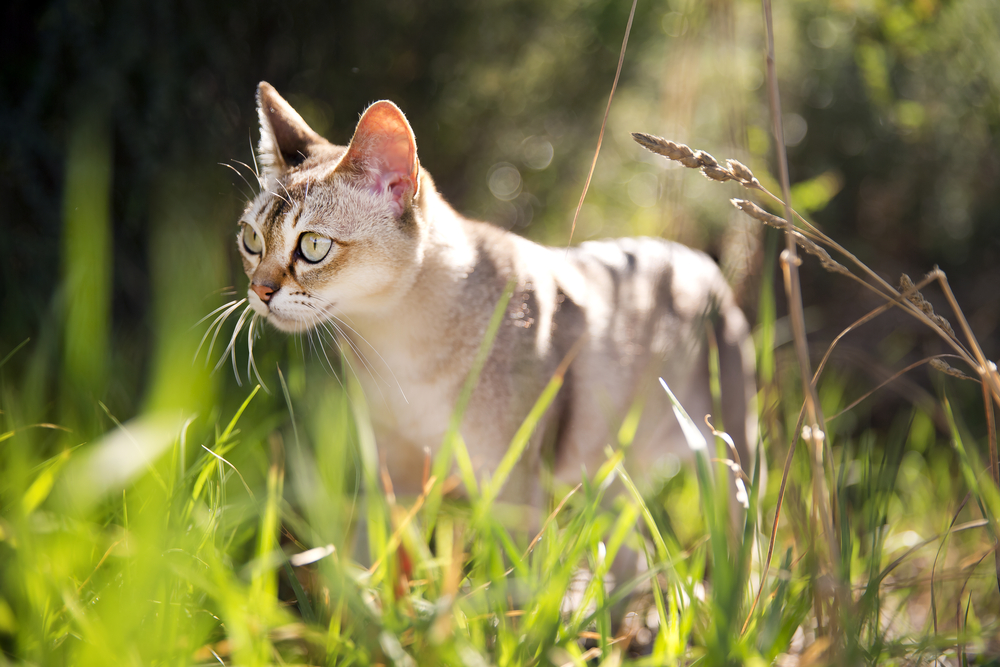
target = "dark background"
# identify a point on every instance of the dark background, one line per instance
(891, 113)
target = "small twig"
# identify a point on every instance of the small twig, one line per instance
(549, 520)
(958, 619)
(969, 525)
(810, 238)
(534, 542)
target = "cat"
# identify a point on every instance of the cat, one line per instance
(360, 237)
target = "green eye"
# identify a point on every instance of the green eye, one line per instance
(252, 241)
(314, 247)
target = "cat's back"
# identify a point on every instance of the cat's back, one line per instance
(648, 305)
(631, 279)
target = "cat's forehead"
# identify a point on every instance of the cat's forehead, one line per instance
(336, 206)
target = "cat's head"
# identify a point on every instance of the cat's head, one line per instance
(334, 230)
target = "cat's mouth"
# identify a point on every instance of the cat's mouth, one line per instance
(290, 319)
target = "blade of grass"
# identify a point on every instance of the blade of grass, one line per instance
(443, 459)
(378, 513)
(986, 494)
(492, 487)
(14, 351)
(239, 413)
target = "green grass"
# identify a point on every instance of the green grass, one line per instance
(174, 538)
(219, 523)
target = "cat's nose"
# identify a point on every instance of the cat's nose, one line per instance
(264, 290)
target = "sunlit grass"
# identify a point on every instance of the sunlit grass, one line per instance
(197, 539)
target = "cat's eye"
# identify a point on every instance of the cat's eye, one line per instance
(314, 247)
(252, 240)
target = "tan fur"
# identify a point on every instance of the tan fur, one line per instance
(414, 291)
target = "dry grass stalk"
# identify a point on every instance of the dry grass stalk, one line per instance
(940, 364)
(804, 242)
(935, 362)
(809, 238)
(872, 314)
(824, 496)
(907, 297)
(917, 299)
(709, 166)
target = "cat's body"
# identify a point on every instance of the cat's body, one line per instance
(361, 235)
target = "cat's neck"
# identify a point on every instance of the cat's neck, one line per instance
(447, 255)
(427, 339)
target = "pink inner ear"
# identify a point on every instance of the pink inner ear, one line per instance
(384, 149)
(397, 185)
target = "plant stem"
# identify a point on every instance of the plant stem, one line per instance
(793, 289)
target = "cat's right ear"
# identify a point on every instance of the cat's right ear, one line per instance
(285, 139)
(383, 155)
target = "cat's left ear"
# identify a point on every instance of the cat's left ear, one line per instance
(383, 152)
(285, 139)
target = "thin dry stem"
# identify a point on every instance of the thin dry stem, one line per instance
(809, 237)
(604, 123)
(986, 368)
(806, 243)
(934, 361)
(793, 290)
(939, 364)
(777, 515)
(884, 289)
(991, 430)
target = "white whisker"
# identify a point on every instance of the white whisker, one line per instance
(225, 305)
(275, 194)
(229, 166)
(231, 348)
(217, 326)
(289, 200)
(342, 321)
(251, 363)
(256, 168)
(337, 338)
(329, 363)
(347, 357)
(252, 171)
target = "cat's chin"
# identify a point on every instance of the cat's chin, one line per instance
(297, 325)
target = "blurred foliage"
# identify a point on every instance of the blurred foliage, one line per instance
(891, 115)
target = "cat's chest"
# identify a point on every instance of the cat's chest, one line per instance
(410, 391)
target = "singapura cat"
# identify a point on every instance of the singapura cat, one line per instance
(361, 236)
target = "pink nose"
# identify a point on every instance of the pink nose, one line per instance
(263, 291)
